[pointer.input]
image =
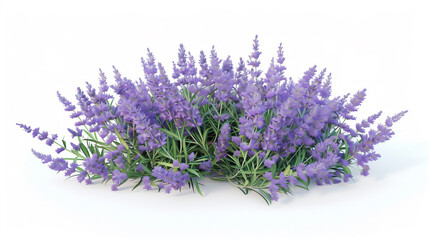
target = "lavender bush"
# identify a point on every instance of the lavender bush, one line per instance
(262, 133)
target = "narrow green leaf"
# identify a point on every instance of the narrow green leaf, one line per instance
(169, 133)
(121, 139)
(91, 148)
(194, 172)
(165, 164)
(138, 184)
(84, 150)
(198, 187)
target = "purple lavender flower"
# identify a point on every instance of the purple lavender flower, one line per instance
(139, 168)
(51, 140)
(35, 132)
(206, 166)
(273, 190)
(222, 141)
(25, 127)
(237, 153)
(119, 161)
(191, 157)
(75, 147)
(254, 59)
(110, 139)
(71, 169)
(118, 177)
(176, 163)
(172, 105)
(67, 104)
(43, 157)
(95, 165)
(268, 163)
(184, 166)
(293, 180)
(43, 135)
(77, 133)
(170, 179)
(146, 181)
(81, 176)
(59, 150)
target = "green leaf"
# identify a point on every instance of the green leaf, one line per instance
(84, 150)
(91, 148)
(121, 139)
(128, 156)
(165, 164)
(89, 134)
(65, 145)
(198, 187)
(97, 151)
(346, 169)
(287, 171)
(193, 171)
(138, 184)
(169, 133)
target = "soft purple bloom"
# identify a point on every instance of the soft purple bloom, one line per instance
(292, 179)
(118, 177)
(103, 132)
(299, 171)
(110, 139)
(365, 170)
(223, 141)
(76, 115)
(183, 166)
(95, 165)
(43, 135)
(237, 153)
(283, 181)
(77, 133)
(67, 104)
(43, 157)
(347, 177)
(59, 150)
(51, 140)
(268, 163)
(71, 169)
(236, 140)
(35, 132)
(119, 161)
(191, 157)
(170, 179)
(176, 163)
(81, 176)
(206, 165)
(25, 127)
(75, 146)
(273, 190)
(146, 181)
(139, 168)
(268, 176)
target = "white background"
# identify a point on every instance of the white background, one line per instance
(59, 45)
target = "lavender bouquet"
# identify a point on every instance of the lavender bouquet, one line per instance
(262, 133)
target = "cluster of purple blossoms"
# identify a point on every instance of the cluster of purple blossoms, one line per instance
(169, 179)
(223, 141)
(258, 130)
